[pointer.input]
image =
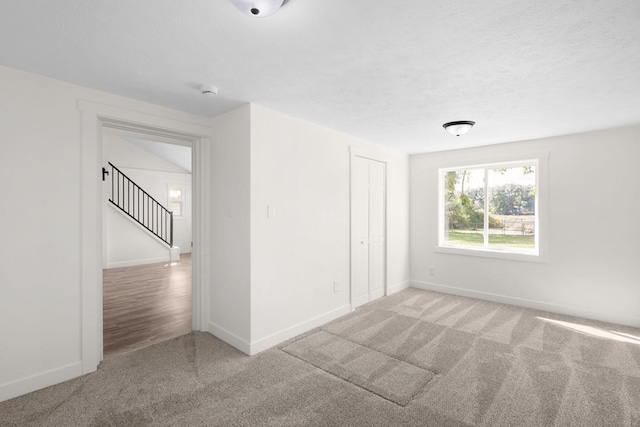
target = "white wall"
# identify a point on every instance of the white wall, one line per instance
(273, 277)
(40, 276)
(592, 268)
(301, 171)
(126, 242)
(41, 292)
(230, 235)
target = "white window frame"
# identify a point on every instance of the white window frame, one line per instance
(540, 253)
(183, 190)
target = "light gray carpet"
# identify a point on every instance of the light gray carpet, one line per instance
(493, 365)
(385, 376)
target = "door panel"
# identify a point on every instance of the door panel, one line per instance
(360, 198)
(368, 249)
(376, 229)
(360, 243)
(360, 260)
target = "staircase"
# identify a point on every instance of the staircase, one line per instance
(138, 205)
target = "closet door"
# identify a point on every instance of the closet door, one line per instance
(368, 219)
(359, 231)
(377, 251)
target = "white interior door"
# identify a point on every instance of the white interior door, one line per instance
(360, 231)
(377, 247)
(368, 249)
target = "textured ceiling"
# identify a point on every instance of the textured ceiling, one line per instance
(388, 71)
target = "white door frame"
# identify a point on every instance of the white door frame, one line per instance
(93, 116)
(371, 155)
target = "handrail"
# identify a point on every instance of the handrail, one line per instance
(140, 206)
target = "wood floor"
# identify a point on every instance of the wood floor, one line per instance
(146, 304)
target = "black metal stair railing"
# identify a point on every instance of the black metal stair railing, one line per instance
(136, 203)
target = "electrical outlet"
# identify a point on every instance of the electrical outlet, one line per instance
(432, 271)
(336, 285)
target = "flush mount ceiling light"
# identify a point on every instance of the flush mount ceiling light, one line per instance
(258, 8)
(459, 128)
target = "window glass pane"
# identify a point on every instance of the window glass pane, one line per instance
(175, 200)
(464, 197)
(512, 203)
(509, 195)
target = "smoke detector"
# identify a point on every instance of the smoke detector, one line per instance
(208, 90)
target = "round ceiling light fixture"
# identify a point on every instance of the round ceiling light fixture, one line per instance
(458, 128)
(258, 8)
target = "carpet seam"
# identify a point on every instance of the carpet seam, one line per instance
(348, 381)
(411, 398)
(381, 352)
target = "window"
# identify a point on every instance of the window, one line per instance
(508, 192)
(176, 200)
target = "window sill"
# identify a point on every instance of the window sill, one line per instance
(492, 253)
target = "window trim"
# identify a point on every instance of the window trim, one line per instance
(183, 192)
(541, 236)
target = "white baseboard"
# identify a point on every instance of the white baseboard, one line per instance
(229, 337)
(36, 382)
(275, 339)
(537, 305)
(398, 287)
(137, 262)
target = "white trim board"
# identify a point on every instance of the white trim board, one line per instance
(295, 330)
(38, 381)
(229, 337)
(537, 305)
(368, 154)
(136, 262)
(272, 340)
(398, 287)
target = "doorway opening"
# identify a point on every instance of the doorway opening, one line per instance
(95, 119)
(147, 239)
